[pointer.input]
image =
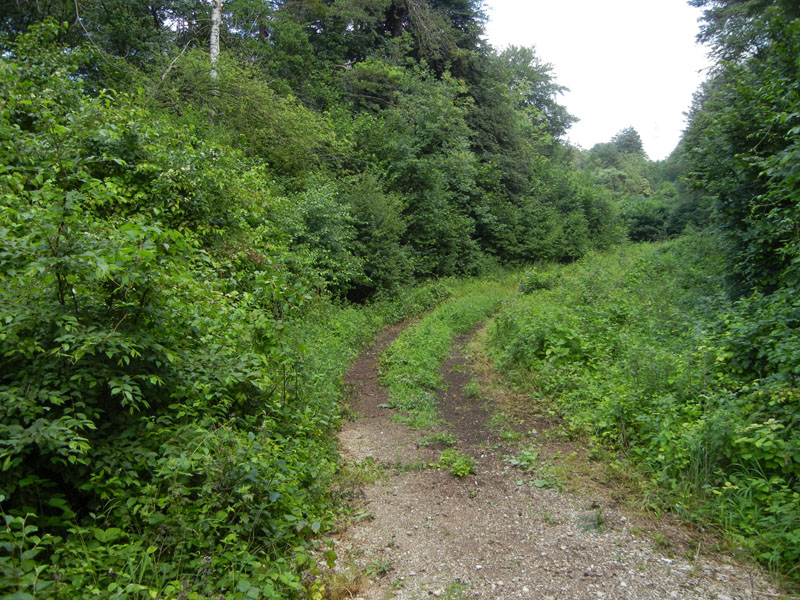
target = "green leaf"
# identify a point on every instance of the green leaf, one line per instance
(330, 558)
(19, 596)
(106, 536)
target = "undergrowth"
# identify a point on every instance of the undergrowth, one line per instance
(199, 506)
(642, 350)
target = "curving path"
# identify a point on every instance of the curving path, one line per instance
(505, 532)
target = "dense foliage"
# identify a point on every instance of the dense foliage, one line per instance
(743, 147)
(640, 348)
(743, 152)
(687, 357)
(180, 244)
(653, 199)
(175, 243)
(155, 430)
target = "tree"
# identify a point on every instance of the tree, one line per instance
(535, 90)
(621, 165)
(628, 141)
(733, 27)
(128, 29)
(443, 32)
(216, 18)
(742, 147)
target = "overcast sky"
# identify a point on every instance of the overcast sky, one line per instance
(626, 62)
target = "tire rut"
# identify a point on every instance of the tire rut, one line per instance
(418, 532)
(465, 411)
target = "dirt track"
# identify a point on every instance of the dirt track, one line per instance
(505, 532)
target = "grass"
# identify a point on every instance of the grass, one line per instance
(443, 438)
(379, 567)
(411, 366)
(455, 590)
(472, 389)
(343, 585)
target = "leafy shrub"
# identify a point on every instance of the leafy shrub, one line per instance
(534, 280)
(324, 229)
(165, 416)
(646, 218)
(245, 114)
(642, 350)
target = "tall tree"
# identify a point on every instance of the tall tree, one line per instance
(216, 19)
(628, 141)
(732, 27)
(126, 29)
(743, 141)
(535, 90)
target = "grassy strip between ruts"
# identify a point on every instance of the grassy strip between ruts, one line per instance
(410, 367)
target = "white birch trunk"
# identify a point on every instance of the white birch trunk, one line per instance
(216, 19)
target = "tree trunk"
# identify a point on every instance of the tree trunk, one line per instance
(216, 18)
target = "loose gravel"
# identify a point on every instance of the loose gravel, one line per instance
(423, 533)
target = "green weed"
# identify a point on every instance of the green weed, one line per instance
(534, 280)
(457, 463)
(379, 567)
(511, 435)
(473, 389)
(526, 459)
(444, 438)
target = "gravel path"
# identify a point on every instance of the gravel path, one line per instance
(504, 532)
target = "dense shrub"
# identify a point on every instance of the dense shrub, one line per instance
(534, 279)
(642, 349)
(165, 419)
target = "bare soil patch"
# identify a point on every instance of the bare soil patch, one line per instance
(467, 414)
(504, 532)
(372, 433)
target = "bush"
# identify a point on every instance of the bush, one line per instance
(165, 421)
(534, 280)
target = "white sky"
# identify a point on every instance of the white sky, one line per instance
(626, 62)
